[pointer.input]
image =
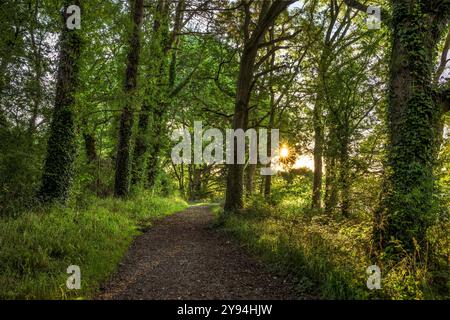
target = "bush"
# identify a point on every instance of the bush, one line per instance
(20, 168)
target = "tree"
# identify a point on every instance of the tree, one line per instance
(268, 13)
(354, 93)
(61, 150)
(154, 90)
(122, 176)
(415, 110)
(162, 74)
(337, 36)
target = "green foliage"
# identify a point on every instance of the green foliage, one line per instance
(57, 174)
(20, 166)
(328, 256)
(332, 77)
(295, 185)
(406, 209)
(312, 250)
(37, 247)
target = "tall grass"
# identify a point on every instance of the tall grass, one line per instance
(328, 256)
(36, 248)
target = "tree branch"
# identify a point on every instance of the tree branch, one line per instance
(363, 8)
(267, 17)
(208, 109)
(444, 60)
(356, 5)
(282, 38)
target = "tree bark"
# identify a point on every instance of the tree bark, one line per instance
(61, 147)
(90, 146)
(122, 174)
(234, 199)
(413, 115)
(250, 176)
(331, 183)
(155, 146)
(153, 94)
(316, 202)
(344, 172)
(319, 126)
(268, 178)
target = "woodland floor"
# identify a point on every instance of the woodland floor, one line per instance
(184, 257)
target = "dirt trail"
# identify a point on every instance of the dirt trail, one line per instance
(184, 257)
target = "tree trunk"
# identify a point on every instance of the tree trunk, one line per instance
(122, 177)
(195, 182)
(404, 212)
(344, 174)
(268, 14)
(250, 175)
(331, 185)
(235, 171)
(140, 148)
(319, 128)
(61, 149)
(36, 61)
(155, 148)
(318, 153)
(90, 146)
(153, 95)
(268, 178)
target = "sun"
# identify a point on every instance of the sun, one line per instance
(284, 152)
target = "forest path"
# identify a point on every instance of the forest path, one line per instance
(184, 257)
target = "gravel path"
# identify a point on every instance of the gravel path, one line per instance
(184, 257)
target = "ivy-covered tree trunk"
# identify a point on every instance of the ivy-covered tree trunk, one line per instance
(122, 174)
(154, 92)
(157, 142)
(337, 161)
(164, 42)
(61, 146)
(413, 114)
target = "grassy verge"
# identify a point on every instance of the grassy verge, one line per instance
(37, 248)
(327, 256)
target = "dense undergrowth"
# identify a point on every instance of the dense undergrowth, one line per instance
(329, 255)
(37, 247)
